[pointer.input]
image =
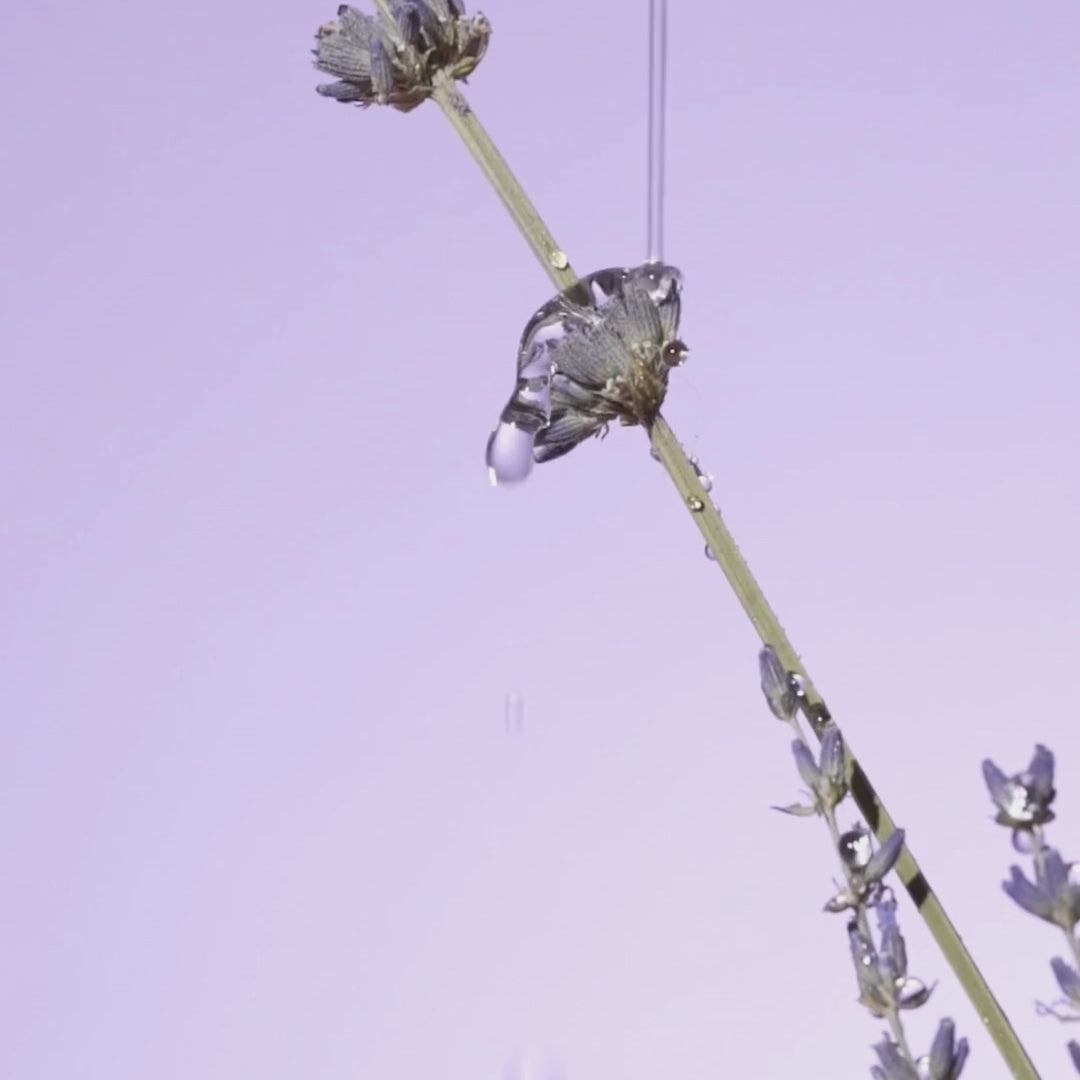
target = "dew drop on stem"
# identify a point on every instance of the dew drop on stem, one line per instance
(704, 478)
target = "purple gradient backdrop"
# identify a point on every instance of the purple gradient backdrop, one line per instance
(259, 811)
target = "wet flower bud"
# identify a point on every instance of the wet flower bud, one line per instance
(593, 354)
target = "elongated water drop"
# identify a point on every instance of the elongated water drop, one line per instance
(656, 121)
(533, 1065)
(515, 713)
(509, 454)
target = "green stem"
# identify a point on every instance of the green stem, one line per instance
(899, 1035)
(473, 134)
(729, 559)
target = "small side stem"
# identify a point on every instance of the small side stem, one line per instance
(900, 1036)
(730, 560)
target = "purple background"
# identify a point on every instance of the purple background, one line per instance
(260, 811)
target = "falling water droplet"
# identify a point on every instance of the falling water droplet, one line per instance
(695, 503)
(514, 713)
(509, 454)
(533, 1065)
(709, 554)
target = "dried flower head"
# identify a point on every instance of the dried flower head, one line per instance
(1023, 800)
(601, 350)
(383, 63)
(1055, 893)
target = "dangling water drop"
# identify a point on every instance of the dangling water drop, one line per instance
(654, 454)
(709, 554)
(695, 503)
(533, 1065)
(509, 454)
(514, 713)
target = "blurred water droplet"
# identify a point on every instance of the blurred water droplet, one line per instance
(704, 477)
(559, 260)
(514, 713)
(509, 454)
(709, 554)
(533, 1065)
(695, 503)
(653, 454)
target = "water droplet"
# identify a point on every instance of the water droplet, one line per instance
(695, 503)
(514, 713)
(654, 455)
(855, 848)
(709, 554)
(533, 1065)
(559, 260)
(509, 454)
(705, 478)
(675, 353)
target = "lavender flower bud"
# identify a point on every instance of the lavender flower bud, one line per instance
(1023, 800)
(776, 685)
(1055, 893)
(894, 1066)
(1069, 981)
(947, 1056)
